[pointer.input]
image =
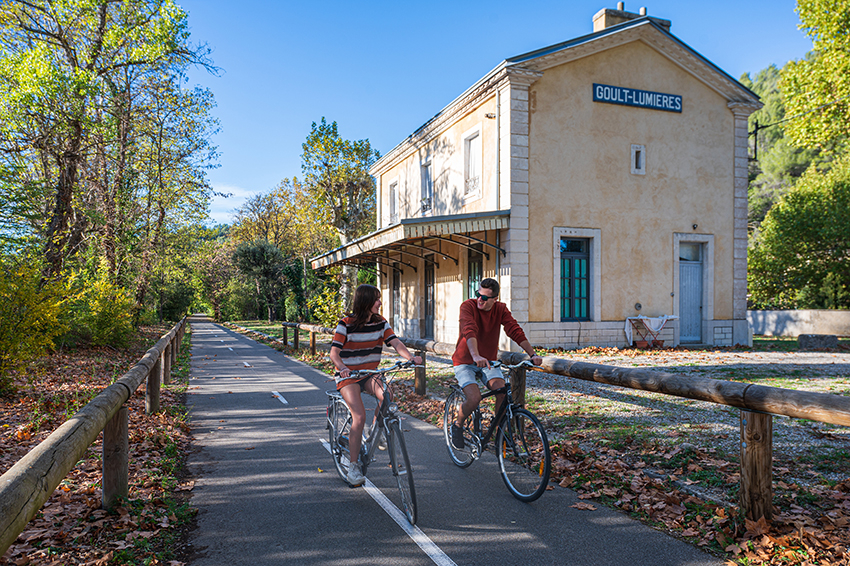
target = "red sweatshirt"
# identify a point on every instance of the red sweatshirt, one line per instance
(484, 326)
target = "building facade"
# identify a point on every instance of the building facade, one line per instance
(597, 179)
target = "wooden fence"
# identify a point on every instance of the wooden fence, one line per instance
(31, 481)
(758, 404)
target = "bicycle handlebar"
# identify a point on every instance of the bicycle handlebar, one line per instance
(522, 364)
(395, 367)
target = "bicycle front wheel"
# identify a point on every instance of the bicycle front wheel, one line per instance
(462, 457)
(402, 472)
(339, 432)
(524, 457)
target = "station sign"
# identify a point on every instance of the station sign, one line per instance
(636, 97)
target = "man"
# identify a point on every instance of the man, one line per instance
(481, 319)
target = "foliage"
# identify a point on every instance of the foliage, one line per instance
(800, 259)
(778, 163)
(817, 89)
(30, 316)
(326, 307)
(336, 172)
(263, 264)
(103, 148)
(103, 312)
(213, 269)
(292, 308)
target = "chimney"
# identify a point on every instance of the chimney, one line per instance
(608, 17)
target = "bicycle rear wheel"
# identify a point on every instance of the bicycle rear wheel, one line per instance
(339, 431)
(462, 458)
(402, 472)
(524, 457)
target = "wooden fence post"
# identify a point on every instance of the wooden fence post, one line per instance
(285, 336)
(312, 343)
(517, 377)
(153, 388)
(116, 463)
(166, 364)
(174, 347)
(756, 465)
(420, 385)
(295, 338)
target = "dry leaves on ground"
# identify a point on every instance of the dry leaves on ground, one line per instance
(71, 527)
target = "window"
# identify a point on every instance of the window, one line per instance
(564, 284)
(394, 203)
(472, 164)
(638, 159)
(575, 282)
(475, 268)
(427, 189)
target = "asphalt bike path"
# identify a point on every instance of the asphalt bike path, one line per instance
(268, 493)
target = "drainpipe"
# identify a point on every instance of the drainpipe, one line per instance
(498, 134)
(498, 180)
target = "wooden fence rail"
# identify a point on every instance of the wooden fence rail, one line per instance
(758, 404)
(32, 480)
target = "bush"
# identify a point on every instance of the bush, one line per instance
(178, 298)
(326, 307)
(30, 318)
(103, 312)
(292, 312)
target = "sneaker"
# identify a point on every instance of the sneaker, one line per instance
(382, 442)
(457, 437)
(355, 476)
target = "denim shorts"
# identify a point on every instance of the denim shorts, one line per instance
(467, 374)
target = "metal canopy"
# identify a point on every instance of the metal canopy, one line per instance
(417, 237)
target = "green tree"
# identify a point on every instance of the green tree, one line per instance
(262, 263)
(336, 173)
(778, 164)
(213, 270)
(817, 89)
(60, 65)
(801, 258)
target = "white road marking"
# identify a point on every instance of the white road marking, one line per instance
(280, 398)
(434, 552)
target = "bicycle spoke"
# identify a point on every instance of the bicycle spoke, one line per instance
(524, 456)
(339, 432)
(462, 458)
(402, 472)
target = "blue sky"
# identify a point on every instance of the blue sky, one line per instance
(381, 69)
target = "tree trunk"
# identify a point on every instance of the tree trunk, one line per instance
(58, 229)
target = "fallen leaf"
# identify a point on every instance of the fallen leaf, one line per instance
(584, 506)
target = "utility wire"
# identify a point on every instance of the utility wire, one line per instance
(822, 106)
(760, 127)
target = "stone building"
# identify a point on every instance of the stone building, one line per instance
(598, 179)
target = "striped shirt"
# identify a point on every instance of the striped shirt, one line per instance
(360, 348)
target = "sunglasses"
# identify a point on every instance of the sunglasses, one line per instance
(485, 297)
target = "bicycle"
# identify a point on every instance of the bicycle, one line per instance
(387, 424)
(522, 448)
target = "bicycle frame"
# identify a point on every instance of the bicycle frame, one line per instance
(385, 417)
(499, 418)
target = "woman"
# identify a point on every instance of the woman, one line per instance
(357, 345)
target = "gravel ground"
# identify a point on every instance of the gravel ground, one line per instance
(710, 426)
(707, 426)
